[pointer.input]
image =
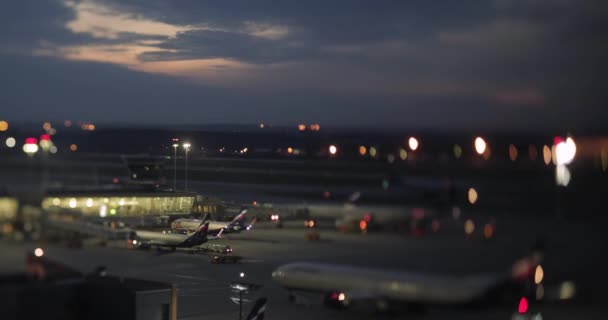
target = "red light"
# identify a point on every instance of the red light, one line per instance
(31, 141)
(363, 225)
(557, 140)
(523, 305)
(334, 296)
(115, 180)
(45, 137)
(367, 217)
(418, 213)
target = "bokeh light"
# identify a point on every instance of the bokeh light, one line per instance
(10, 142)
(513, 152)
(413, 143)
(457, 151)
(539, 274)
(362, 150)
(469, 227)
(38, 252)
(73, 147)
(480, 145)
(546, 154)
(472, 195)
(402, 154)
(3, 126)
(333, 149)
(373, 152)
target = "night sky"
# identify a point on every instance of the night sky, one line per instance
(505, 64)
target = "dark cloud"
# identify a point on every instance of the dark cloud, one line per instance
(424, 63)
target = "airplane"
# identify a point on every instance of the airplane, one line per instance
(147, 239)
(236, 225)
(341, 286)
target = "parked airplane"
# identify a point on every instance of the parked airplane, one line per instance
(148, 239)
(343, 286)
(189, 225)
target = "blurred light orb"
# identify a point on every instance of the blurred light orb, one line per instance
(456, 212)
(457, 151)
(562, 175)
(103, 211)
(567, 290)
(362, 150)
(373, 152)
(540, 292)
(480, 145)
(30, 148)
(10, 142)
(488, 231)
(413, 143)
(469, 227)
(242, 275)
(513, 152)
(290, 150)
(38, 252)
(539, 274)
(73, 203)
(472, 194)
(402, 154)
(565, 152)
(341, 297)
(3, 126)
(301, 127)
(546, 154)
(46, 126)
(390, 158)
(89, 202)
(53, 149)
(73, 147)
(333, 149)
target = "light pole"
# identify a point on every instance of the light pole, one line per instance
(186, 148)
(175, 145)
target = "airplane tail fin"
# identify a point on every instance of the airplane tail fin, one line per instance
(203, 229)
(258, 310)
(239, 219)
(205, 217)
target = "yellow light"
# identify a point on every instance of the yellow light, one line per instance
(333, 149)
(472, 195)
(539, 274)
(46, 126)
(301, 127)
(261, 126)
(3, 125)
(402, 154)
(513, 152)
(362, 150)
(566, 290)
(546, 154)
(413, 143)
(121, 202)
(289, 150)
(10, 142)
(89, 202)
(469, 227)
(341, 297)
(540, 292)
(91, 127)
(73, 203)
(39, 252)
(457, 151)
(372, 152)
(73, 147)
(56, 201)
(480, 145)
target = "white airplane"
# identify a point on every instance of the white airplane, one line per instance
(343, 286)
(189, 225)
(148, 239)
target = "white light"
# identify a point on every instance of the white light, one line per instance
(175, 145)
(565, 152)
(562, 175)
(134, 242)
(10, 142)
(73, 203)
(53, 149)
(103, 211)
(413, 143)
(187, 146)
(333, 149)
(341, 297)
(480, 145)
(242, 275)
(89, 202)
(39, 252)
(30, 148)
